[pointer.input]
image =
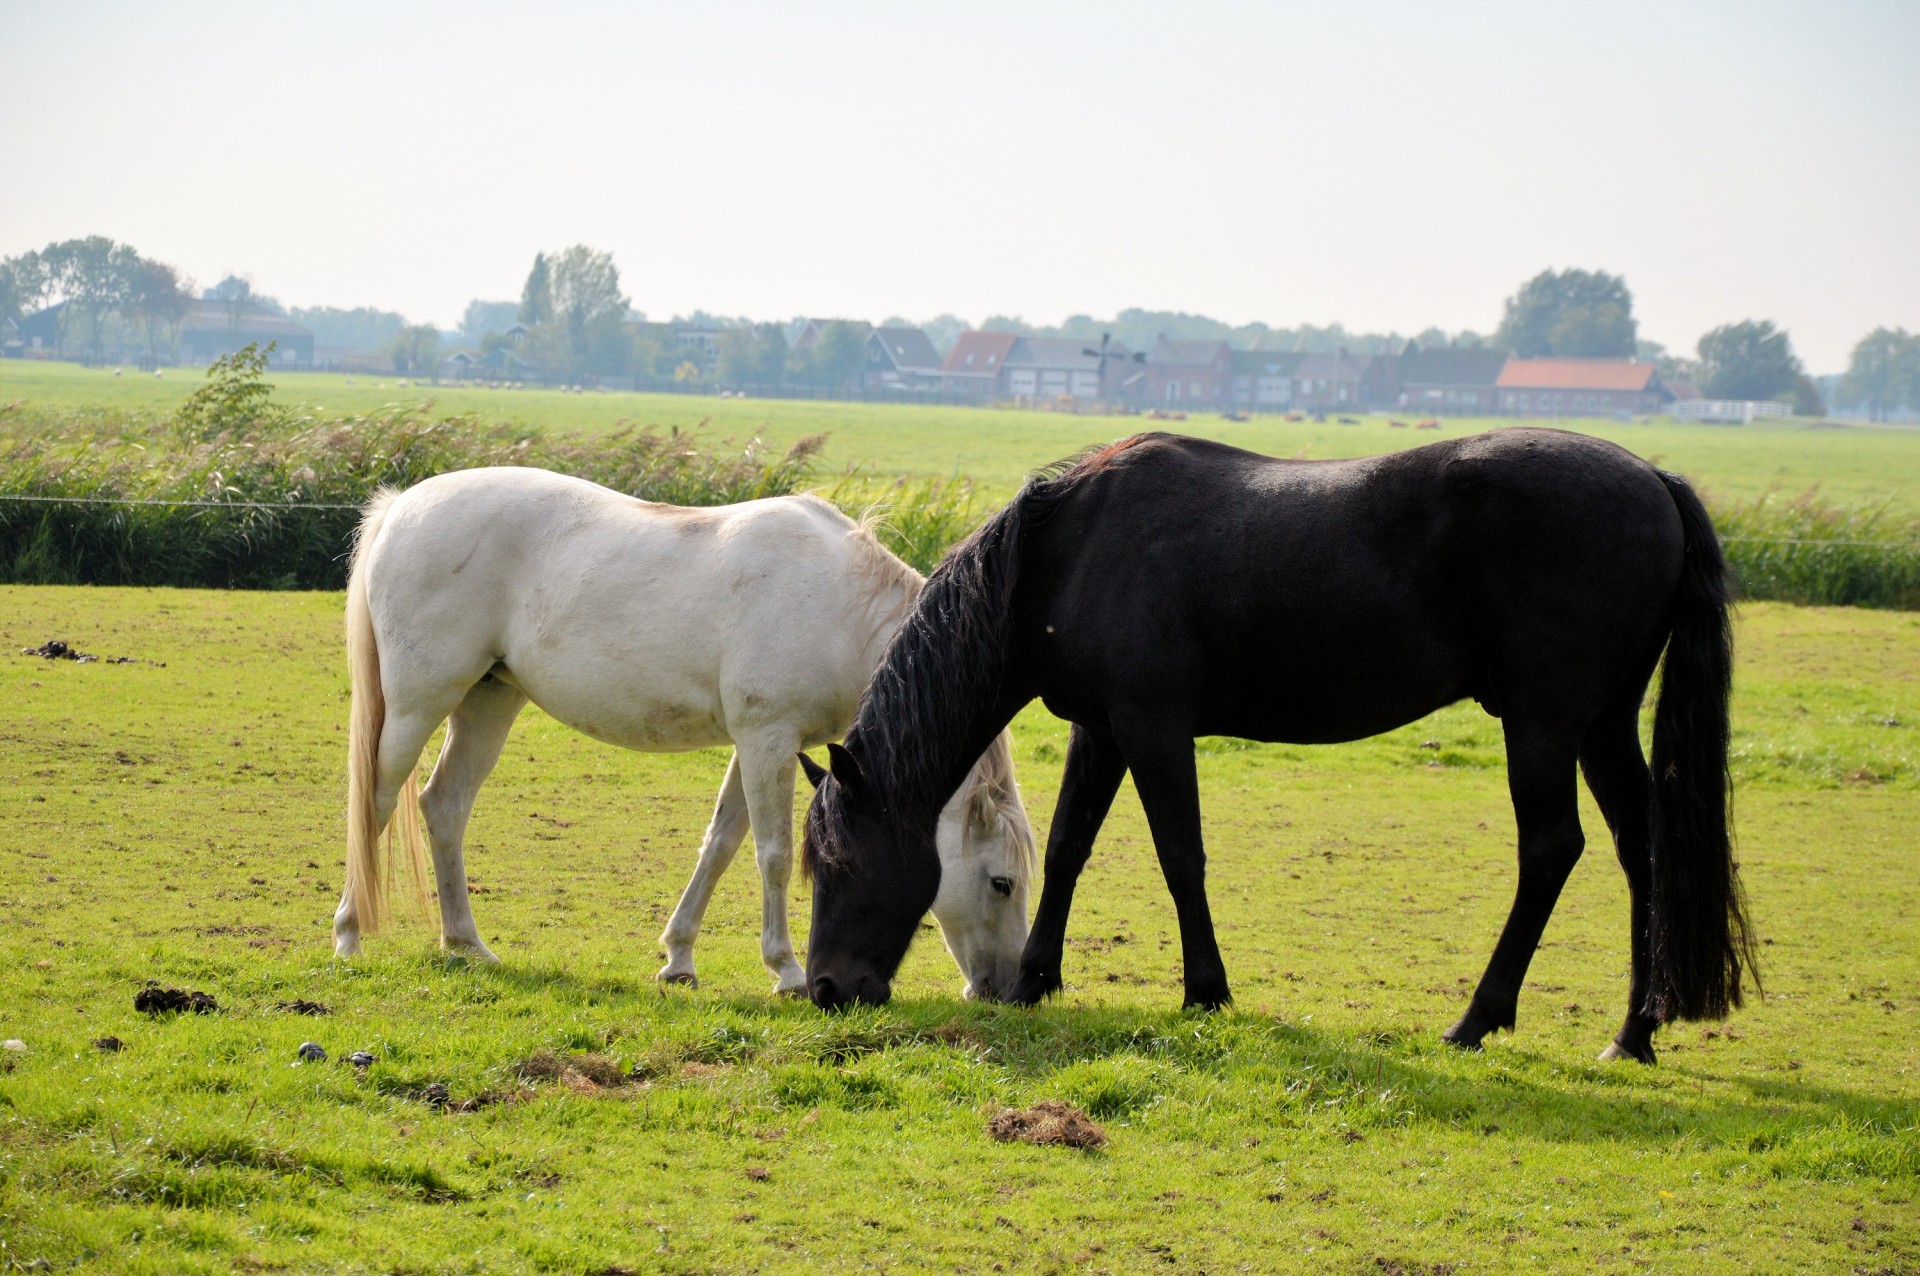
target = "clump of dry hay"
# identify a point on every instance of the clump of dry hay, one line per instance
(1047, 1123)
(585, 1072)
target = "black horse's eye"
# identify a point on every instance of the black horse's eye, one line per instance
(1002, 885)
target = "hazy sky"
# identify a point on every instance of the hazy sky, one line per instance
(1389, 165)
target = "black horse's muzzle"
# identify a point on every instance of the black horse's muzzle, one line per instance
(837, 993)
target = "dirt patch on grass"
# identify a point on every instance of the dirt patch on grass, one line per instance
(302, 1007)
(155, 1000)
(1047, 1123)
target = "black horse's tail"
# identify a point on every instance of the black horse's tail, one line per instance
(1701, 941)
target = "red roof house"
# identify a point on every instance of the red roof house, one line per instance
(1580, 387)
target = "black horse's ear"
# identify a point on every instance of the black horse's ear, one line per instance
(845, 768)
(814, 771)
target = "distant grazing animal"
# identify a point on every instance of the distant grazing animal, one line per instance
(1164, 588)
(655, 628)
(1431, 423)
(1398, 425)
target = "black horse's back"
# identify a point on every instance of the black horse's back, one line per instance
(1319, 601)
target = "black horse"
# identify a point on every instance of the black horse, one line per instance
(1165, 587)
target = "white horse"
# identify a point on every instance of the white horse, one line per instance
(655, 628)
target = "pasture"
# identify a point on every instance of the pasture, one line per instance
(180, 819)
(1854, 465)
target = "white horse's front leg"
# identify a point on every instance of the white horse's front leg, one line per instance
(767, 770)
(725, 832)
(476, 732)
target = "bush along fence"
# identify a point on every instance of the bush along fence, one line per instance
(234, 491)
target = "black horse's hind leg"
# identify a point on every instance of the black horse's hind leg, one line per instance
(1163, 772)
(1093, 773)
(1540, 778)
(1617, 773)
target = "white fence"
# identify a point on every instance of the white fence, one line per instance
(1726, 411)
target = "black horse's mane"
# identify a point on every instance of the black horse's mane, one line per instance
(944, 669)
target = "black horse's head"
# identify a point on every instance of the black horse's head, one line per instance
(873, 880)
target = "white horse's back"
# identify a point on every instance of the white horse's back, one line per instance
(653, 627)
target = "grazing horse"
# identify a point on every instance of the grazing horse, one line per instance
(655, 628)
(1164, 588)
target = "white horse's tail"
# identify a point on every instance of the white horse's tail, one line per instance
(365, 721)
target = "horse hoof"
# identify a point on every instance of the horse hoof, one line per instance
(672, 976)
(1462, 1037)
(797, 991)
(1615, 1050)
(472, 951)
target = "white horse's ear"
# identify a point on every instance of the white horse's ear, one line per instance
(814, 771)
(845, 768)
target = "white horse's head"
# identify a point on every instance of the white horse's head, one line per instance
(986, 862)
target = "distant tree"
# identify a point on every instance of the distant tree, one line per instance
(91, 275)
(755, 355)
(1884, 373)
(157, 300)
(536, 295)
(1805, 397)
(1747, 360)
(361, 329)
(589, 309)
(235, 295)
(737, 360)
(943, 330)
(239, 288)
(654, 354)
(1006, 323)
(770, 352)
(1570, 313)
(416, 350)
(839, 353)
(24, 285)
(483, 317)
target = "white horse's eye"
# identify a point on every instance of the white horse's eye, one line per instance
(1002, 885)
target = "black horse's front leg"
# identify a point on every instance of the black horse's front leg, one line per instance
(1163, 771)
(1093, 773)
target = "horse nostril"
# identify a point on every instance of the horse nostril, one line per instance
(826, 994)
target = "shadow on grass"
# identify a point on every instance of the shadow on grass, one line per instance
(1245, 1069)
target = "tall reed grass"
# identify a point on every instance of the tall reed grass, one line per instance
(1802, 549)
(276, 509)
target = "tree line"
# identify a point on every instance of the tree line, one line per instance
(98, 280)
(573, 321)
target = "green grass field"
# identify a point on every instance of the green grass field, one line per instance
(181, 821)
(1857, 464)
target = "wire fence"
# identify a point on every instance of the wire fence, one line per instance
(1909, 547)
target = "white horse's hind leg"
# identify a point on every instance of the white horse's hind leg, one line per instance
(767, 764)
(724, 834)
(476, 732)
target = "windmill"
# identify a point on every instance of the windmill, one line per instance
(1103, 356)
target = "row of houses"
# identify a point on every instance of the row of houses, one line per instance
(1174, 374)
(1212, 375)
